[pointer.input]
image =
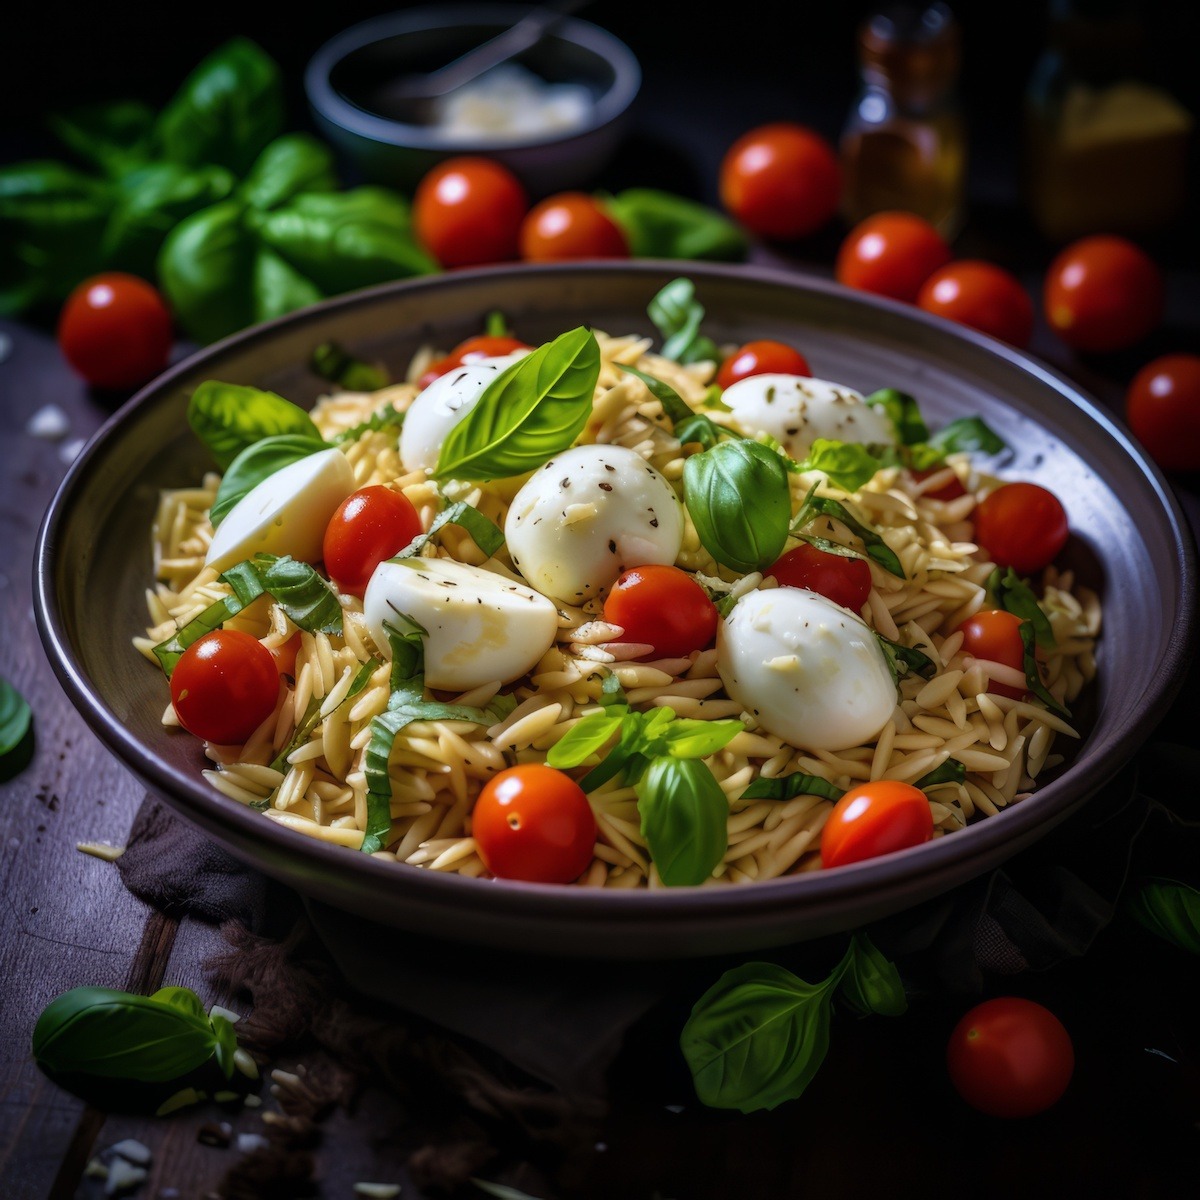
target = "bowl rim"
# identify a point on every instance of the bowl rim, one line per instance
(336, 108)
(516, 899)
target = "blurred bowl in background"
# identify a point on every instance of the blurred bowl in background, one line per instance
(350, 83)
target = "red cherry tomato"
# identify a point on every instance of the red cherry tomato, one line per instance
(570, 225)
(472, 350)
(845, 581)
(875, 818)
(1103, 293)
(891, 254)
(1162, 407)
(369, 525)
(1010, 1057)
(952, 489)
(663, 607)
(534, 823)
(468, 211)
(224, 686)
(781, 180)
(761, 358)
(983, 296)
(1021, 525)
(285, 654)
(115, 330)
(995, 634)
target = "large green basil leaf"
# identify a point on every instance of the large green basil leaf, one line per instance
(677, 315)
(255, 463)
(228, 417)
(16, 720)
(685, 817)
(586, 737)
(278, 288)
(738, 496)
(1170, 910)
(757, 1037)
(290, 165)
(116, 137)
(847, 465)
(532, 410)
(662, 225)
(871, 983)
(226, 111)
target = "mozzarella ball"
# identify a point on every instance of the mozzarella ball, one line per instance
(586, 516)
(809, 670)
(796, 411)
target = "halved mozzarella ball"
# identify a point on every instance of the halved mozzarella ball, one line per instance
(809, 670)
(442, 405)
(796, 411)
(481, 626)
(586, 516)
(286, 513)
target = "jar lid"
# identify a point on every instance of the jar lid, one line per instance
(913, 49)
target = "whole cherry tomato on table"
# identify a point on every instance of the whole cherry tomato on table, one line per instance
(468, 211)
(486, 345)
(663, 607)
(1021, 525)
(995, 634)
(115, 330)
(224, 686)
(981, 296)
(534, 823)
(1010, 1057)
(570, 225)
(781, 180)
(891, 254)
(845, 581)
(1102, 294)
(369, 525)
(1162, 407)
(761, 358)
(875, 818)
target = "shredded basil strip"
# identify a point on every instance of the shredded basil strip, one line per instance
(688, 425)
(684, 819)
(788, 787)
(296, 587)
(485, 533)
(951, 771)
(876, 548)
(406, 704)
(1033, 676)
(213, 617)
(332, 361)
(387, 418)
(902, 659)
(1011, 593)
(677, 316)
(532, 410)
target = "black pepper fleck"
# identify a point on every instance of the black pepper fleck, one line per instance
(612, 547)
(606, 487)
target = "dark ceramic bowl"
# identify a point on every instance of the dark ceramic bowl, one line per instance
(1129, 540)
(347, 85)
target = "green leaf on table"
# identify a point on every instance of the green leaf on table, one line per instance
(16, 722)
(1168, 909)
(257, 462)
(903, 412)
(678, 315)
(660, 224)
(1011, 593)
(114, 137)
(229, 417)
(289, 166)
(870, 982)
(333, 362)
(788, 787)
(684, 819)
(874, 546)
(532, 410)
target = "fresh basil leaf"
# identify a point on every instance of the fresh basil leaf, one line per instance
(685, 737)
(870, 983)
(484, 532)
(662, 225)
(688, 426)
(496, 325)
(277, 288)
(213, 617)
(624, 759)
(228, 418)
(226, 111)
(289, 166)
(587, 737)
(685, 817)
(119, 1035)
(332, 361)
(903, 412)
(951, 771)
(788, 787)
(825, 506)
(902, 659)
(1033, 674)
(1011, 593)
(115, 137)
(257, 462)
(740, 502)
(16, 724)
(225, 1046)
(677, 316)
(532, 410)
(967, 433)
(1169, 910)
(757, 1037)
(312, 718)
(386, 418)
(296, 587)
(847, 465)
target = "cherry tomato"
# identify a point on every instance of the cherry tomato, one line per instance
(285, 654)
(369, 525)
(1021, 525)
(891, 254)
(781, 180)
(472, 350)
(663, 607)
(115, 330)
(570, 225)
(1010, 1057)
(1103, 293)
(995, 634)
(468, 211)
(875, 818)
(1163, 410)
(952, 489)
(982, 296)
(534, 823)
(224, 686)
(761, 358)
(846, 581)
